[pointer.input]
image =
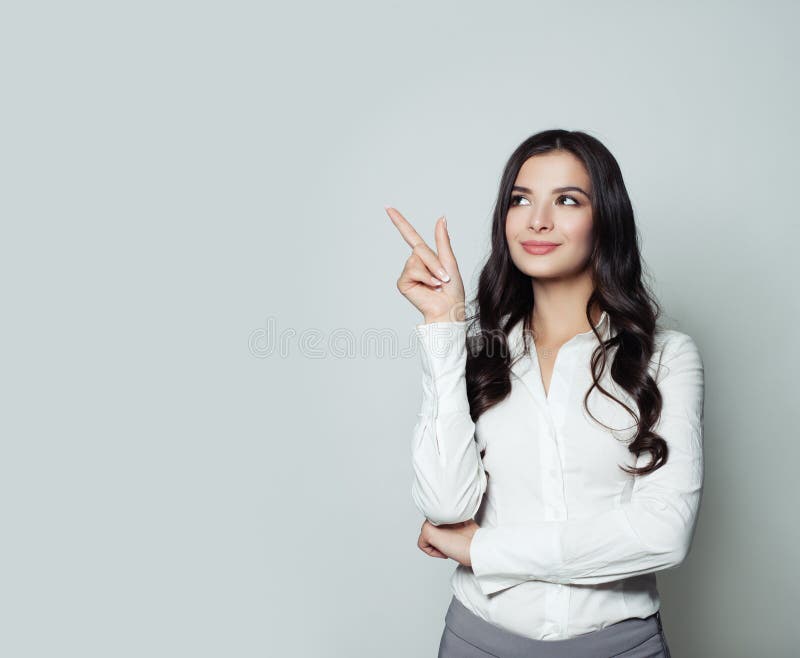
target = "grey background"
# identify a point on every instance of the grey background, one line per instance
(183, 182)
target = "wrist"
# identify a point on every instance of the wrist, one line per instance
(449, 317)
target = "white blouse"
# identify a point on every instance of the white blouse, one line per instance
(568, 543)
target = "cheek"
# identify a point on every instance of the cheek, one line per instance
(514, 224)
(578, 229)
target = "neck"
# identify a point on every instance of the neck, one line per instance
(559, 310)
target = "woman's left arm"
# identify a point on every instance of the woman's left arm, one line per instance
(650, 532)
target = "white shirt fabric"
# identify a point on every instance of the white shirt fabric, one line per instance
(568, 543)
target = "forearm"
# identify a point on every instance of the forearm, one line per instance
(636, 538)
(449, 479)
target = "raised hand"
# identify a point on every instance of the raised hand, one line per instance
(431, 281)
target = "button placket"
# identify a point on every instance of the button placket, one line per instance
(560, 391)
(562, 606)
(558, 598)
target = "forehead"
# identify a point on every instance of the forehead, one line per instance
(554, 169)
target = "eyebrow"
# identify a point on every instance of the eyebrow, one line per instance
(568, 188)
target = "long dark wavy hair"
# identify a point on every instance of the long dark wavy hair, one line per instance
(505, 296)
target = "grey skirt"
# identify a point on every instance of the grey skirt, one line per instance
(468, 636)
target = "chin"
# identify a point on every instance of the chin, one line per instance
(540, 270)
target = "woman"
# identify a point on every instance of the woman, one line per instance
(530, 421)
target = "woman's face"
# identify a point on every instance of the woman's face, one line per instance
(550, 203)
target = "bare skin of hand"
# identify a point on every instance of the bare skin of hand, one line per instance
(450, 540)
(430, 279)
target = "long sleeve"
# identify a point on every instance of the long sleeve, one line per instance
(651, 531)
(449, 479)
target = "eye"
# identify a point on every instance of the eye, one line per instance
(517, 200)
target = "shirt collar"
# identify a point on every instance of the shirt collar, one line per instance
(604, 328)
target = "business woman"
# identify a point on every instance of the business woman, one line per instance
(558, 453)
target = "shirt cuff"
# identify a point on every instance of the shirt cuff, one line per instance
(443, 354)
(444, 346)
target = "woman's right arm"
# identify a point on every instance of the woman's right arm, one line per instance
(449, 478)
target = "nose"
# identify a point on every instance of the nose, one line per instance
(540, 218)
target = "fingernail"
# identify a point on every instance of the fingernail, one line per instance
(444, 276)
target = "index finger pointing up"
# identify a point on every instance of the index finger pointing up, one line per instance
(408, 232)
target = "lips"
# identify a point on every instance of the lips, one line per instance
(538, 247)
